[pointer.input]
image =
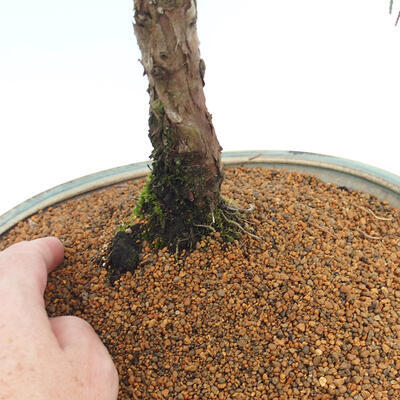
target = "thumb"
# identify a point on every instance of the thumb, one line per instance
(93, 363)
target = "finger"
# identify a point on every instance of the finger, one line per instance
(27, 264)
(23, 277)
(74, 332)
(52, 251)
(81, 344)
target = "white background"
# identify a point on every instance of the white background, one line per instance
(308, 75)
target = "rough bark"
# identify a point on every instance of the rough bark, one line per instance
(183, 192)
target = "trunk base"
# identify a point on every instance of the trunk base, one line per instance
(174, 216)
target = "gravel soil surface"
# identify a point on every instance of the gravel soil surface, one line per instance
(312, 311)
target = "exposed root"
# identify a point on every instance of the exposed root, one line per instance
(315, 225)
(232, 222)
(177, 247)
(211, 228)
(323, 229)
(358, 229)
(369, 236)
(231, 207)
(372, 213)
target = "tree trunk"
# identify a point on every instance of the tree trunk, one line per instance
(183, 192)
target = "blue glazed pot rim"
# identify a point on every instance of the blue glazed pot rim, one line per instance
(381, 183)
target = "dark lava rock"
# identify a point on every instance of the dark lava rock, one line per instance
(125, 251)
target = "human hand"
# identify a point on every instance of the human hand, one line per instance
(59, 358)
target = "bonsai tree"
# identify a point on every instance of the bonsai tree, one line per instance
(182, 198)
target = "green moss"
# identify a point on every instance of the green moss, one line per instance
(122, 227)
(162, 202)
(228, 231)
(144, 198)
(148, 204)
